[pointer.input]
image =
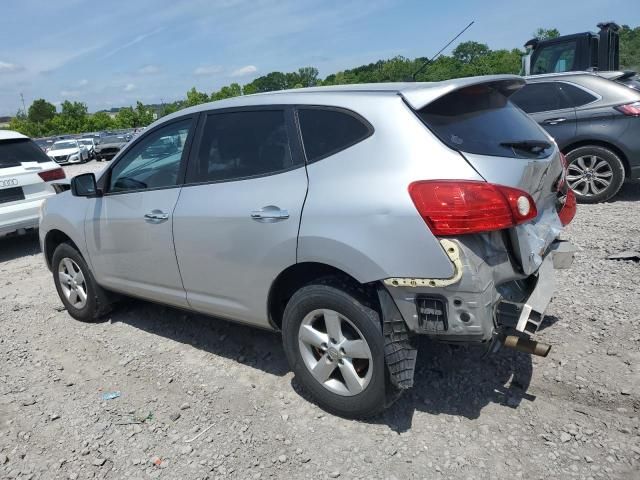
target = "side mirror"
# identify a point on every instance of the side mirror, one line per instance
(85, 186)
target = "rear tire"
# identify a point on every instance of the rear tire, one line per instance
(344, 375)
(595, 174)
(83, 298)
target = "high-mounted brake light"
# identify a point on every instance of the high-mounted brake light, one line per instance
(630, 109)
(50, 175)
(568, 210)
(458, 207)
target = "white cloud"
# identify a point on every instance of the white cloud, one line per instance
(6, 67)
(129, 87)
(69, 93)
(149, 70)
(83, 83)
(246, 70)
(208, 70)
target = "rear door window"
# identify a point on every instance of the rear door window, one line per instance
(242, 144)
(576, 95)
(540, 97)
(481, 120)
(15, 151)
(328, 131)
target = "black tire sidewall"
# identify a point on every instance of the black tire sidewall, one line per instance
(614, 162)
(312, 297)
(90, 311)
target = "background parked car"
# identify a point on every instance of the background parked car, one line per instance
(110, 146)
(596, 123)
(68, 151)
(25, 173)
(90, 144)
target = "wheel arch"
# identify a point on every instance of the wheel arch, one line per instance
(300, 274)
(603, 144)
(52, 239)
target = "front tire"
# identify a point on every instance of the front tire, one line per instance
(334, 344)
(594, 173)
(83, 298)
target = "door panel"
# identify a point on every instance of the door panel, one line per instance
(129, 229)
(228, 257)
(561, 124)
(133, 254)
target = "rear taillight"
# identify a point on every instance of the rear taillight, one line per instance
(50, 175)
(568, 210)
(458, 207)
(630, 109)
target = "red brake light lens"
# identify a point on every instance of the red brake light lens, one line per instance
(458, 207)
(568, 211)
(630, 109)
(51, 175)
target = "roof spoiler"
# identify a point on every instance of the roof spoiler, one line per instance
(420, 95)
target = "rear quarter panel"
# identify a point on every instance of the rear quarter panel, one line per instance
(358, 215)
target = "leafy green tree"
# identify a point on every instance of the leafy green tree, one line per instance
(233, 90)
(73, 116)
(630, 48)
(144, 115)
(267, 83)
(125, 118)
(99, 121)
(194, 97)
(546, 33)
(41, 110)
(469, 52)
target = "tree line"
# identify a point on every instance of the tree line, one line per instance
(467, 59)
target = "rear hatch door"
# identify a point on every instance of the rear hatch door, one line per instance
(506, 147)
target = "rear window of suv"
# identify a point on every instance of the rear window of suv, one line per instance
(15, 151)
(481, 119)
(328, 131)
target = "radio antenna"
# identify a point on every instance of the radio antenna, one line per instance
(431, 60)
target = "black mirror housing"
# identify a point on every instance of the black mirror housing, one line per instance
(85, 186)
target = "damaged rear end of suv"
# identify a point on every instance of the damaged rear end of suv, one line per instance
(456, 227)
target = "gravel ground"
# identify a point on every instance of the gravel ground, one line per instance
(202, 398)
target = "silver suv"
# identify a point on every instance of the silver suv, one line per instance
(349, 218)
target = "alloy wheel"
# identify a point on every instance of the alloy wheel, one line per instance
(335, 352)
(72, 283)
(589, 175)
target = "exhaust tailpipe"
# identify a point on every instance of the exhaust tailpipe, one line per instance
(527, 346)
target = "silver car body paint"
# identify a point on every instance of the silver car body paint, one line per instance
(357, 217)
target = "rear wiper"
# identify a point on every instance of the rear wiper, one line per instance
(534, 146)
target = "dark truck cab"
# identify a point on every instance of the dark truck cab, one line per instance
(576, 52)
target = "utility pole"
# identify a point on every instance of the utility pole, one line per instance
(24, 109)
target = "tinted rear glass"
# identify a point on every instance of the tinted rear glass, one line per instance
(577, 96)
(14, 152)
(540, 97)
(325, 132)
(478, 120)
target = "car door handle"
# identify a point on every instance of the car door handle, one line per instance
(156, 216)
(270, 213)
(554, 121)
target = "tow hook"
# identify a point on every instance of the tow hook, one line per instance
(527, 346)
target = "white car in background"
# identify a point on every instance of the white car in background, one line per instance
(90, 144)
(68, 151)
(26, 174)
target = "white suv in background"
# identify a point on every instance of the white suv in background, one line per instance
(25, 176)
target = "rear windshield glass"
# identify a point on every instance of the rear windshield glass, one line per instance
(481, 120)
(14, 152)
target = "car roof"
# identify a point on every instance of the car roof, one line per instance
(10, 135)
(417, 94)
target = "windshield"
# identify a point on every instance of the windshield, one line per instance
(86, 142)
(64, 145)
(14, 152)
(481, 120)
(113, 140)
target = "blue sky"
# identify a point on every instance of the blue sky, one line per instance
(111, 53)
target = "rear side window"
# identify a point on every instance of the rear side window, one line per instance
(15, 151)
(481, 120)
(328, 131)
(540, 97)
(238, 145)
(576, 95)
